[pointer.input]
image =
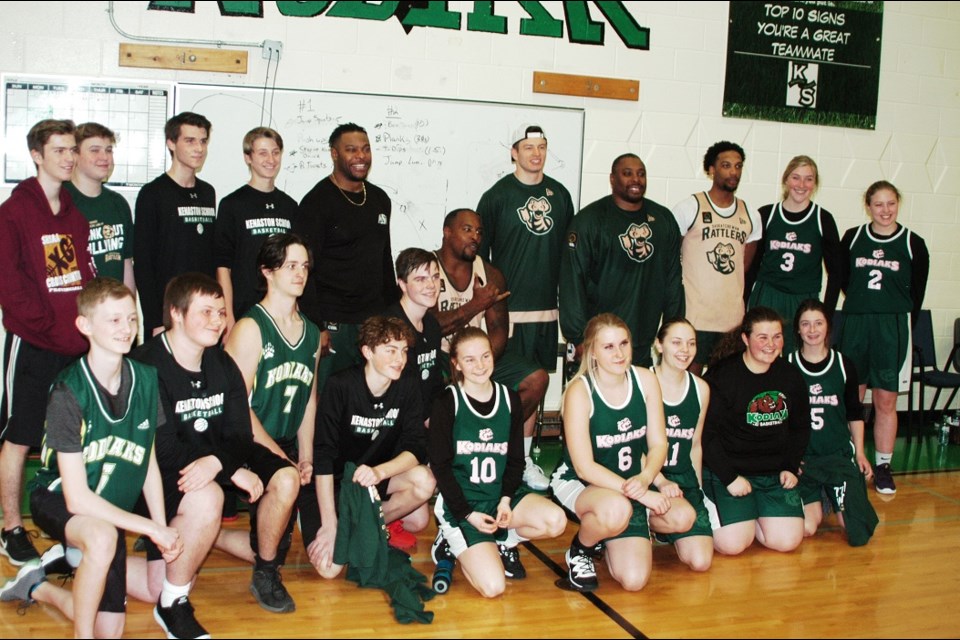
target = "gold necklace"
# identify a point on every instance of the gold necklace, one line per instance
(363, 186)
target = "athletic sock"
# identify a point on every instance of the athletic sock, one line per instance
(260, 564)
(527, 443)
(172, 592)
(884, 458)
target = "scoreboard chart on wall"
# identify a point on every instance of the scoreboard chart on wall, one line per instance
(135, 111)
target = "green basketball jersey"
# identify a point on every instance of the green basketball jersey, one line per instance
(481, 444)
(281, 388)
(793, 255)
(116, 450)
(880, 273)
(682, 419)
(829, 433)
(618, 435)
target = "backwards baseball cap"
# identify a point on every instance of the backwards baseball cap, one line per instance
(526, 131)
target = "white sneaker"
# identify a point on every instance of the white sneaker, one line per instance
(534, 477)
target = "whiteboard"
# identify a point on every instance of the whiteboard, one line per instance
(430, 155)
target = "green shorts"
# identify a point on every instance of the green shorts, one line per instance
(344, 352)
(879, 346)
(767, 500)
(812, 491)
(706, 343)
(786, 304)
(460, 534)
(638, 527)
(536, 341)
(701, 526)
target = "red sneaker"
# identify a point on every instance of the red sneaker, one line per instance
(399, 537)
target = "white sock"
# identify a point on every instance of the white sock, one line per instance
(527, 443)
(513, 539)
(884, 458)
(172, 592)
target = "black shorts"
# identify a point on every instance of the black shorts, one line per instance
(28, 373)
(265, 463)
(50, 513)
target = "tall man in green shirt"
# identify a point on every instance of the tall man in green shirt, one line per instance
(622, 257)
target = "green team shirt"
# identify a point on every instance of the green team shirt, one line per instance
(618, 435)
(793, 255)
(116, 449)
(829, 432)
(111, 229)
(523, 233)
(621, 262)
(880, 273)
(682, 419)
(481, 444)
(282, 385)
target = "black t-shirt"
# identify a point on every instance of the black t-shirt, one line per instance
(245, 219)
(173, 234)
(355, 426)
(353, 274)
(423, 364)
(207, 411)
(757, 424)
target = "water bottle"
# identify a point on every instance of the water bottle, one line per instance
(943, 430)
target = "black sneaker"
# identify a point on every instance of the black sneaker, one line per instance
(178, 620)
(440, 550)
(883, 479)
(16, 545)
(267, 587)
(596, 552)
(581, 573)
(18, 589)
(512, 567)
(60, 561)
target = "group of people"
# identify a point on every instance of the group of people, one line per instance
(282, 342)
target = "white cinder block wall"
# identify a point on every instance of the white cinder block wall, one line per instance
(916, 144)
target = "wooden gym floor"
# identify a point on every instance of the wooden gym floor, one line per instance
(905, 583)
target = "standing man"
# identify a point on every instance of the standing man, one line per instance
(44, 262)
(174, 218)
(418, 276)
(622, 257)
(719, 242)
(525, 216)
(474, 293)
(345, 221)
(246, 217)
(111, 226)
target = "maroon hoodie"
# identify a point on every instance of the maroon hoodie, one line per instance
(44, 262)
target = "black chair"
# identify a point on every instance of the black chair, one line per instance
(925, 372)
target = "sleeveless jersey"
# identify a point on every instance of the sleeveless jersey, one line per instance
(116, 450)
(793, 256)
(880, 273)
(618, 435)
(481, 445)
(281, 388)
(828, 411)
(452, 298)
(711, 258)
(682, 419)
